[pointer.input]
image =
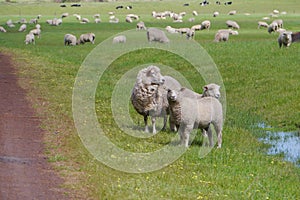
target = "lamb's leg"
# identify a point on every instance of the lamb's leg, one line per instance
(184, 132)
(165, 122)
(146, 124)
(219, 135)
(210, 138)
(153, 125)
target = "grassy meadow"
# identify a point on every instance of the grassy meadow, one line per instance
(261, 83)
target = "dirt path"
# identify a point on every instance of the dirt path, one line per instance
(24, 171)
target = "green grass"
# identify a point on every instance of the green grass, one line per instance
(261, 83)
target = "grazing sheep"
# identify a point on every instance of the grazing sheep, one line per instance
(87, 37)
(287, 38)
(232, 12)
(169, 29)
(205, 25)
(262, 24)
(157, 35)
(273, 27)
(96, 16)
(36, 32)
(119, 39)
(2, 29)
(22, 28)
(97, 20)
(149, 95)
(70, 39)
(232, 24)
(196, 27)
(195, 13)
(64, 15)
(78, 17)
(10, 24)
(85, 20)
(140, 26)
(195, 113)
(33, 21)
(279, 23)
(190, 34)
(29, 38)
(114, 20)
(133, 16)
(216, 13)
(38, 26)
(128, 19)
(223, 35)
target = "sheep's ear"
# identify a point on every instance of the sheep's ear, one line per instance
(205, 88)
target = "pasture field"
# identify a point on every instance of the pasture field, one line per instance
(261, 83)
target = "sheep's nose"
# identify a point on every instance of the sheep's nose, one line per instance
(217, 96)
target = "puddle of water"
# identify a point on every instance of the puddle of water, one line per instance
(286, 143)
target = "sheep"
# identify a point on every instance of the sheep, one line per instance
(262, 24)
(10, 24)
(192, 19)
(169, 29)
(64, 15)
(272, 27)
(85, 20)
(279, 23)
(287, 38)
(128, 19)
(22, 28)
(232, 12)
(216, 13)
(114, 20)
(140, 26)
(96, 16)
(190, 34)
(232, 24)
(149, 95)
(196, 27)
(133, 16)
(29, 38)
(97, 20)
(205, 25)
(193, 113)
(78, 17)
(36, 32)
(70, 39)
(33, 21)
(223, 35)
(2, 29)
(38, 26)
(87, 37)
(119, 39)
(157, 35)
(195, 13)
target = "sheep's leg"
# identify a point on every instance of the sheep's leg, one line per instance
(219, 135)
(165, 122)
(146, 124)
(153, 124)
(184, 132)
(210, 138)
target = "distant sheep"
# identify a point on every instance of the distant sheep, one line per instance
(195, 13)
(70, 39)
(87, 37)
(273, 27)
(262, 24)
(128, 19)
(232, 24)
(2, 29)
(216, 13)
(140, 26)
(157, 35)
(194, 113)
(190, 34)
(232, 12)
(97, 20)
(36, 32)
(223, 35)
(119, 39)
(29, 38)
(170, 29)
(64, 15)
(287, 38)
(22, 28)
(205, 25)
(85, 20)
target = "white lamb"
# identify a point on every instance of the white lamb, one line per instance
(149, 95)
(157, 35)
(223, 35)
(22, 28)
(70, 39)
(119, 39)
(29, 38)
(195, 113)
(232, 24)
(87, 37)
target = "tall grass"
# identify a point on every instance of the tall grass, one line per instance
(261, 80)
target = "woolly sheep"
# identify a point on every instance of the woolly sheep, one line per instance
(149, 95)
(140, 26)
(195, 13)
(29, 38)
(133, 16)
(128, 19)
(262, 24)
(33, 21)
(87, 37)
(190, 34)
(85, 20)
(279, 23)
(97, 20)
(157, 35)
(287, 38)
(272, 27)
(232, 12)
(195, 113)
(38, 26)
(216, 13)
(96, 16)
(22, 28)
(70, 39)
(2, 29)
(169, 29)
(119, 39)
(232, 24)
(223, 35)
(36, 32)
(205, 25)
(64, 15)
(196, 27)
(114, 20)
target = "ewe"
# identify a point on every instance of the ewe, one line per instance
(157, 35)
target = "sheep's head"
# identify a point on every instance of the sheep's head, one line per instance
(151, 76)
(287, 38)
(212, 90)
(172, 95)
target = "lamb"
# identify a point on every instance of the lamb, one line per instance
(223, 35)
(232, 24)
(29, 38)
(22, 28)
(70, 39)
(119, 39)
(193, 113)
(140, 26)
(262, 24)
(87, 37)
(149, 95)
(2, 29)
(36, 32)
(157, 35)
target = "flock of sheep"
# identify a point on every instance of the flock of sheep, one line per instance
(156, 95)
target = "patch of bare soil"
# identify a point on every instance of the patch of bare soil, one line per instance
(24, 170)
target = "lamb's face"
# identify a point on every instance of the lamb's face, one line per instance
(287, 38)
(212, 90)
(172, 95)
